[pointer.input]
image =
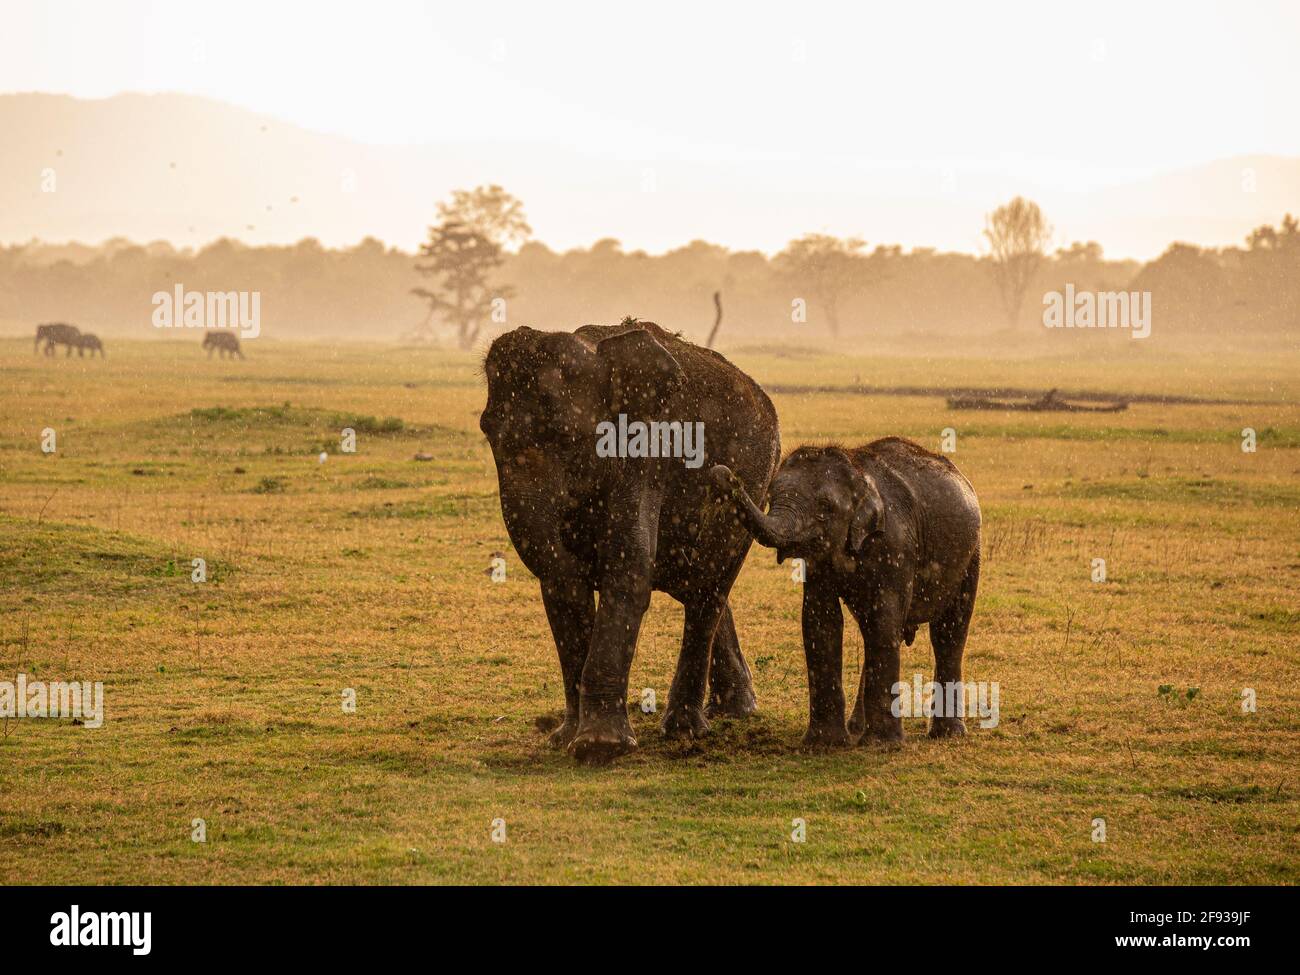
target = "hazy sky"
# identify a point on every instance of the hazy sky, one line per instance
(1068, 94)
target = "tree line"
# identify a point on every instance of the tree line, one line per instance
(480, 272)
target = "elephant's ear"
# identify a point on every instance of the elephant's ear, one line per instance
(868, 514)
(639, 375)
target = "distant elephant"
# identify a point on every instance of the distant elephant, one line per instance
(893, 530)
(223, 342)
(56, 333)
(588, 516)
(87, 340)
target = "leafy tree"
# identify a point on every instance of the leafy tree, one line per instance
(1266, 238)
(1017, 235)
(464, 248)
(1080, 253)
(461, 260)
(491, 211)
(827, 269)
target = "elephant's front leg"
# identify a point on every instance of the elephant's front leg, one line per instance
(823, 637)
(626, 557)
(604, 732)
(874, 719)
(571, 611)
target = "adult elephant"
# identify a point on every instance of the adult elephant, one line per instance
(57, 333)
(622, 526)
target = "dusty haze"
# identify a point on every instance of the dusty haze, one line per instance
(659, 159)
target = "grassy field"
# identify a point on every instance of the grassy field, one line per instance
(368, 571)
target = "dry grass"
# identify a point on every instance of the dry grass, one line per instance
(367, 572)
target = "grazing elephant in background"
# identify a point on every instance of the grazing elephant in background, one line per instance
(88, 340)
(588, 516)
(223, 342)
(892, 530)
(56, 333)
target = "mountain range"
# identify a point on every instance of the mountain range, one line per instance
(190, 170)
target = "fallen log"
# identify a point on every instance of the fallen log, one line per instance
(1050, 402)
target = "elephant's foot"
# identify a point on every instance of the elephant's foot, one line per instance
(826, 734)
(684, 721)
(947, 727)
(603, 735)
(732, 702)
(563, 736)
(888, 734)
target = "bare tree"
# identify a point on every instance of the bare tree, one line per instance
(717, 319)
(1017, 235)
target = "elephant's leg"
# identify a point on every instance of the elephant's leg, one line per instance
(626, 557)
(731, 688)
(571, 611)
(823, 637)
(604, 732)
(948, 637)
(882, 635)
(684, 717)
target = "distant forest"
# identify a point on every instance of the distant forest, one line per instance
(365, 292)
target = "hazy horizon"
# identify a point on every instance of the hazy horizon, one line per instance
(901, 126)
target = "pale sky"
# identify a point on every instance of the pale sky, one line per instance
(1076, 94)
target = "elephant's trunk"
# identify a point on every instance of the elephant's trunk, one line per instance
(774, 531)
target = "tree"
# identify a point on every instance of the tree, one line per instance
(461, 261)
(1265, 238)
(491, 211)
(462, 252)
(827, 268)
(1017, 235)
(1080, 253)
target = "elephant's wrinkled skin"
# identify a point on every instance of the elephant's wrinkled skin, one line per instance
(892, 530)
(622, 527)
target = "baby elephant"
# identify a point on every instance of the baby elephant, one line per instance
(892, 530)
